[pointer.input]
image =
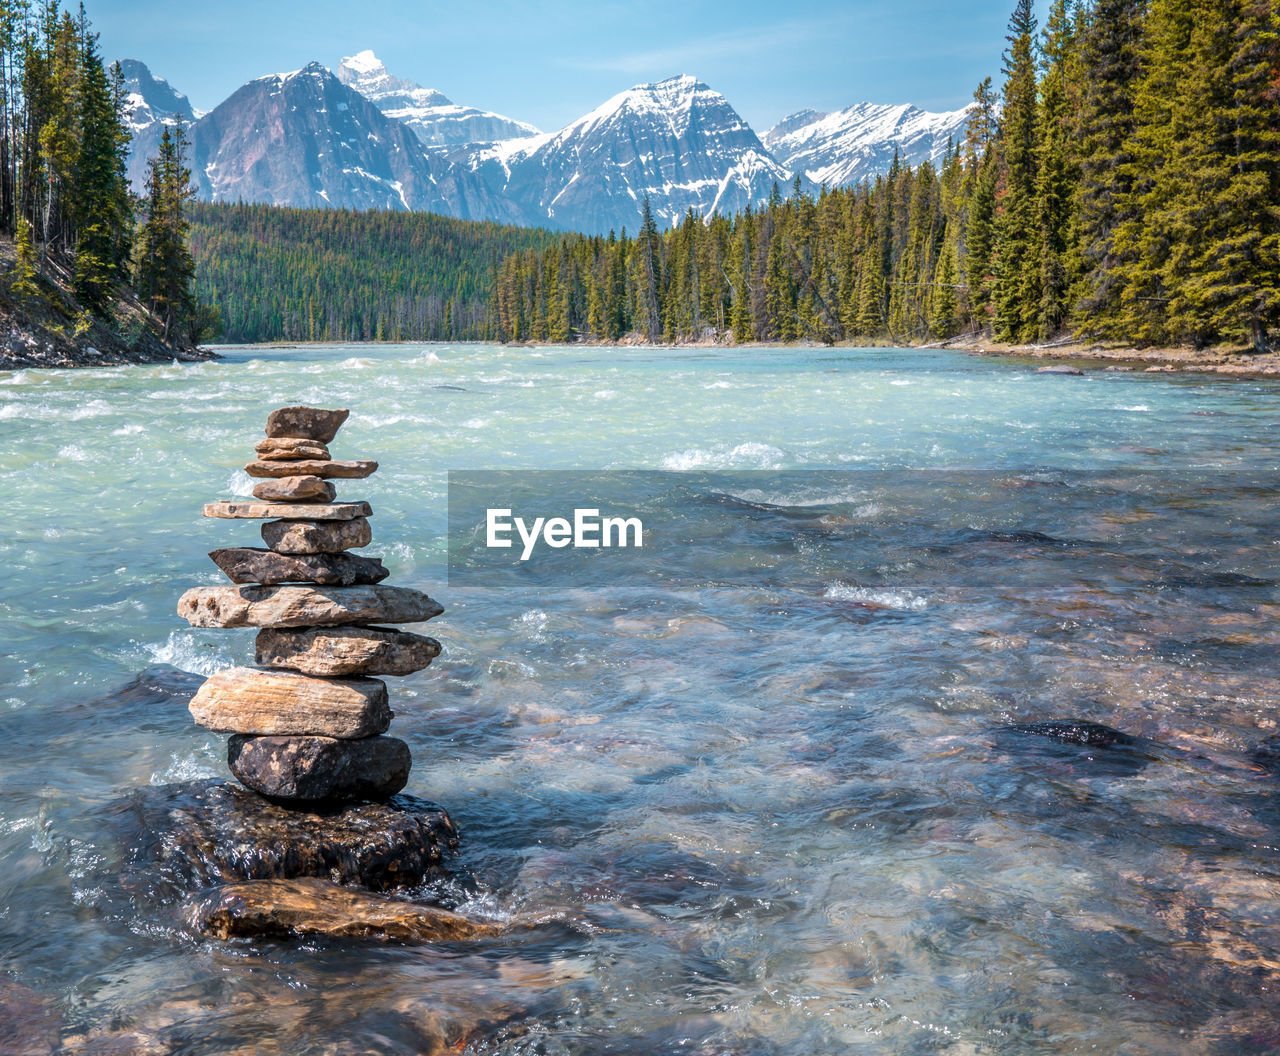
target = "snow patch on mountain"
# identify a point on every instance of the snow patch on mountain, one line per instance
(434, 117)
(860, 141)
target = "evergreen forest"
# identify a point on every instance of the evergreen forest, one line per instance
(1124, 184)
(65, 200)
(280, 274)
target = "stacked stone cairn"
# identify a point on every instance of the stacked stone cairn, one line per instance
(308, 724)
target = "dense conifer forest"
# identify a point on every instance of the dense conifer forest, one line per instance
(1124, 184)
(82, 246)
(335, 275)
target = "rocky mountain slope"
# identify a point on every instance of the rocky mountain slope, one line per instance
(434, 118)
(151, 103)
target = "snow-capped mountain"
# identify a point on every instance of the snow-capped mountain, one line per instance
(850, 145)
(306, 139)
(436, 119)
(677, 141)
(150, 104)
(363, 139)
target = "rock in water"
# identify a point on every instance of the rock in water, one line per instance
(1062, 368)
(286, 606)
(341, 511)
(192, 836)
(346, 651)
(1089, 734)
(295, 489)
(290, 449)
(316, 537)
(244, 700)
(251, 565)
(320, 769)
(317, 907)
(350, 470)
(306, 423)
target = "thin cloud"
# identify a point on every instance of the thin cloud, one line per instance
(735, 44)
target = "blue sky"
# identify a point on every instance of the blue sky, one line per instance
(550, 62)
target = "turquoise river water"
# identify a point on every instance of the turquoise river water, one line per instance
(778, 774)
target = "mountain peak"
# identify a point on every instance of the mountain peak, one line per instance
(433, 116)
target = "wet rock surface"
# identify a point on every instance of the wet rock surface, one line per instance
(318, 907)
(306, 423)
(196, 835)
(1073, 748)
(335, 651)
(320, 769)
(253, 565)
(317, 537)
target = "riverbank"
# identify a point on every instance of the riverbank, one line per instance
(50, 328)
(1234, 361)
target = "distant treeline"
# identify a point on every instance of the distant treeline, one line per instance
(336, 275)
(1127, 185)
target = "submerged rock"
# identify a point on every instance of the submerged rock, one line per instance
(215, 832)
(320, 769)
(1092, 734)
(306, 423)
(318, 907)
(316, 537)
(1085, 749)
(247, 564)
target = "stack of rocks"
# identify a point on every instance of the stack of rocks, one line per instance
(308, 724)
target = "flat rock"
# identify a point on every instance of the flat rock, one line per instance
(338, 511)
(245, 700)
(349, 470)
(320, 769)
(245, 564)
(306, 423)
(191, 836)
(295, 489)
(1062, 368)
(318, 907)
(333, 651)
(289, 606)
(290, 449)
(316, 537)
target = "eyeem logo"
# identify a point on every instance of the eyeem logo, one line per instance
(587, 530)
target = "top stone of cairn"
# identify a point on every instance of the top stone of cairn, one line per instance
(306, 423)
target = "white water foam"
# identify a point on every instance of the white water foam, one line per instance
(751, 455)
(186, 652)
(902, 600)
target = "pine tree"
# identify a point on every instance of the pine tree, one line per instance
(1110, 62)
(1018, 263)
